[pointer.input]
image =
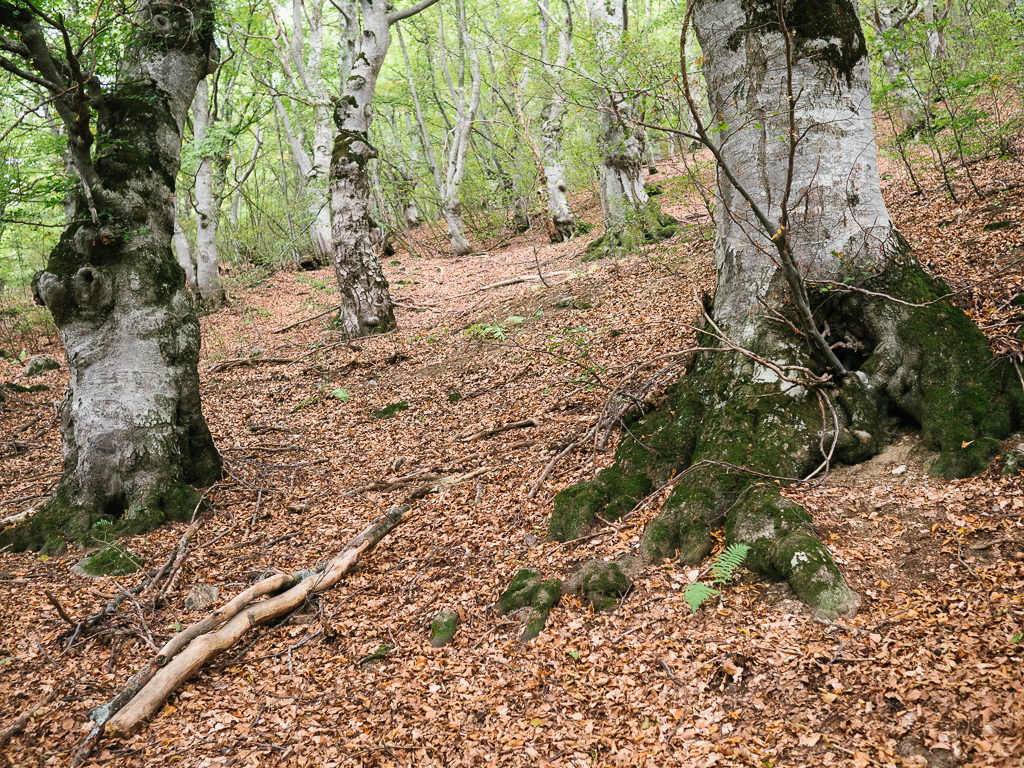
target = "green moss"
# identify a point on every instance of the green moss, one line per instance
(529, 590)
(442, 628)
(808, 567)
(348, 148)
(390, 411)
(811, 23)
(520, 592)
(112, 560)
(760, 518)
(547, 596)
(612, 494)
(603, 586)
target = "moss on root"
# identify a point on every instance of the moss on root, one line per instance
(62, 520)
(529, 590)
(601, 584)
(732, 422)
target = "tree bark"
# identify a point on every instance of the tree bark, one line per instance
(305, 77)
(621, 141)
(134, 436)
(466, 106)
(798, 178)
(366, 305)
(208, 195)
(552, 119)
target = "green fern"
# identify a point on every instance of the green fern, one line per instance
(727, 563)
(697, 594)
(723, 568)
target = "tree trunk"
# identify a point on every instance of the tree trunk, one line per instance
(209, 188)
(552, 118)
(904, 91)
(741, 420)
(366, 305)
(134, 436)
(458, 151)
(183, 252)
(622, 148)
(304, 75)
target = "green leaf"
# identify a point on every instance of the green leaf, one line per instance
(727, 562)
(1017, 638)
(697, 594)
(341, 394)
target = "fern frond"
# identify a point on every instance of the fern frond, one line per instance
(697, 594)
(727, 562)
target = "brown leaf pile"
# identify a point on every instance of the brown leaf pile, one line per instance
(929, 672)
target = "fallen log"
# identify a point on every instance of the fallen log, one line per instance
(186, 652)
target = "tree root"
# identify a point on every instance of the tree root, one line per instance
(184, 654)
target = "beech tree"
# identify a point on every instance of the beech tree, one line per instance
(134, 436)
(553, 118)
(824, 332)
(366, 305)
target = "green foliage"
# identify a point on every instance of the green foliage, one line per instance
(722, 570)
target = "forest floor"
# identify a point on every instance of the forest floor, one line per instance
(928, 673)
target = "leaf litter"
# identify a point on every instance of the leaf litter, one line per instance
(927, 674)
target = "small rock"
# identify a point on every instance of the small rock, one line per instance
(442, 628)
(299, 509)
(201, 596)
(900, 470)
(529, 540)
(1013, 461)
(37, 366)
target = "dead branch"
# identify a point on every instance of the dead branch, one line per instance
(235, 362)
(189, 650)
(499, 284)
(60, 608)
(551, 464)
(445, 483)
(416, 476)
(22, 720)
(317, 316)
(531, 422)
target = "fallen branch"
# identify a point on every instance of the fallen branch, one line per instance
(551, 464)
(22, 720)
(499, 284)
(235, 362)
(498, 430)
(185, 653)
(296, 324)
(446, 482)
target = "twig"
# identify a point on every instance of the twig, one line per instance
(317, 316)
(551, 464)
(531, 422)
(60, 609)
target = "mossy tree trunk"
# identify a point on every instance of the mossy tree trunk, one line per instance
(366, 304)
(741, 421)
(134, 436)
(622, 142)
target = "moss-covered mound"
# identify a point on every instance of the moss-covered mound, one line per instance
(601, 585)
(732, 423)
(442, 628)
(62, 520)
(111, 560)
(652, 226)
(530, 590)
